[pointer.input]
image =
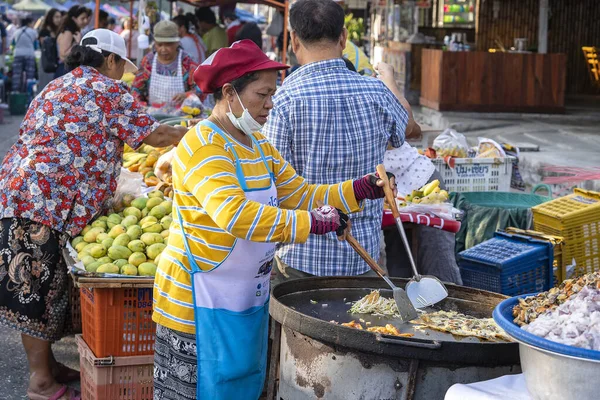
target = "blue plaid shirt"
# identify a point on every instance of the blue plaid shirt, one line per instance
(332, 125)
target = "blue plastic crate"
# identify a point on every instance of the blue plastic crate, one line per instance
(508, 264)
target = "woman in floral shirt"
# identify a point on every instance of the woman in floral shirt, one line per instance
(62, 172)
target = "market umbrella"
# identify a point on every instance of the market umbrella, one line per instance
(31, 5)
(56, 5)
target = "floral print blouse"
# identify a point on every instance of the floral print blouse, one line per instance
(63, 169)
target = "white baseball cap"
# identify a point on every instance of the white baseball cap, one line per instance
(108, 41)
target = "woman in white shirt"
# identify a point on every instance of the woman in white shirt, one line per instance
(25, 41)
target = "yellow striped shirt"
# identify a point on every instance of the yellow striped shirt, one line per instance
(215, 212)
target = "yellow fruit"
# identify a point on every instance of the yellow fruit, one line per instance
(79, 246)
(99, 224)
(108, 269)
(156, 193)
(120, 262)
(154, 250)
(151, 238)
(152, 227)
(90, 236)
(122, 240)
(153, 202)
(129, 269)
(93, 266)
(158, 212)
(139, 203)
(76, 241)
(116, 252)
(97, 251)
(136, 246)
(165, 234)
(127, 199)
(430, 187)
(101, 237)
(108, 242)
(87, 260)
(147, 269)
(113, 219)
(133, 212)
(134, 232)
(147, 219)
(137, 258)
(116, 231)
(86, 230)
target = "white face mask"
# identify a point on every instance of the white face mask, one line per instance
(245, 123)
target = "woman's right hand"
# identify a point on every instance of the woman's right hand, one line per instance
(327, 219)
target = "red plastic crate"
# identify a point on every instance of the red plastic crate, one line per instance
(118, 321)
(114, 378)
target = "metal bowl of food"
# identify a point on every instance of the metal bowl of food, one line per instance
(553, 371)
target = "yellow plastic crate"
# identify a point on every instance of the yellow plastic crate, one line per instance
(559, 265)
(576, 218)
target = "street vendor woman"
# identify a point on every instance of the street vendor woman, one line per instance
(57, 177)
(235, 198)
(165, 77)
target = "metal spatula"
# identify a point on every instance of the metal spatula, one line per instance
(423, 290)
(405, 306)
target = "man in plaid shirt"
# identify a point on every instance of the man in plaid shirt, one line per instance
(331, 124)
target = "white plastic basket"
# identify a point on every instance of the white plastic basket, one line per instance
(476, 174)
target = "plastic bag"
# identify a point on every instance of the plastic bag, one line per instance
(162, 168)
(192, 105)
(488, 148)
(451, 143)
(442, 210)
(130, 184)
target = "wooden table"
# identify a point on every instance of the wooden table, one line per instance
(493, 82)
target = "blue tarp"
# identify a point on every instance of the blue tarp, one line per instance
(247, 16)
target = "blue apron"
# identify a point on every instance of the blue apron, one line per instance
(231, 307)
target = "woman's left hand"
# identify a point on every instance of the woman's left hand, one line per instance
(179, 98)
(371, 187)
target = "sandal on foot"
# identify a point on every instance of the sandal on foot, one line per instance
(64, 392)
(66, 375)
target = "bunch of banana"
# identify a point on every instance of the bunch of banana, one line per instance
(193, 111)
(428, 194)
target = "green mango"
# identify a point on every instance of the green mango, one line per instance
(108, 269)
(87, 260)
(154, 250)
(147, 269)
(116, 230)
(122, 240)
(168, 206)
(156, 193)
(134, 232)
(93, 266)
(99, 224)
(117, 252)
(129, 269)
(153, 202)
(139, 203)
(105, 260)
(158, 212)
(120, 262)
(108, 242)
(147, 219)
(136, 245)
(129, 221)
(76, 241)
(97, 251)
(151, 238)
(137, 258)
(133, 212)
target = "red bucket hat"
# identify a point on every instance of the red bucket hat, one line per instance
(230, 63)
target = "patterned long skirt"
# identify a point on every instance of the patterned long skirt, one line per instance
(175, 365)
(34, 281)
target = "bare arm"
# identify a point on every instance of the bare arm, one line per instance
(165, 135)
(386, 74)
(64, 42)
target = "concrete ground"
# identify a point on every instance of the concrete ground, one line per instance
(570, 140)
(553, 146)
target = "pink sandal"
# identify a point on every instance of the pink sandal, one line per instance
(71, 393)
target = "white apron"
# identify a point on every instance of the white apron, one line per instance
(163, 87)
(231, 308)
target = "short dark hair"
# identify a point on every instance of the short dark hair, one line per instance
(205, 14)
(316, 20)
(238, 84)
(103, 16)
(181, 20)
(26, 21)
(83, 55)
